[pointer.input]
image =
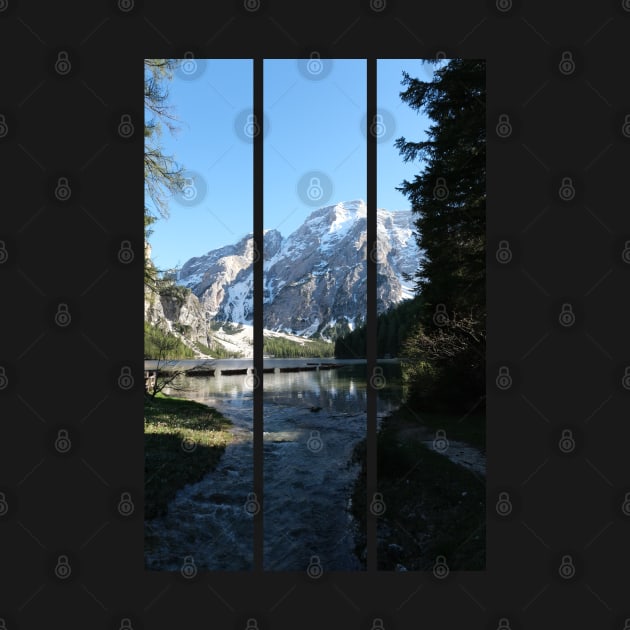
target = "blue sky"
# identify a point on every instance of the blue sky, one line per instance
(314, 146)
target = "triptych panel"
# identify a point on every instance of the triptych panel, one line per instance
(367, 405)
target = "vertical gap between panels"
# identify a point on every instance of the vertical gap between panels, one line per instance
(371, 315)
(258, 314)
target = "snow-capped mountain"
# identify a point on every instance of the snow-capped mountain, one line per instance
(315, 277)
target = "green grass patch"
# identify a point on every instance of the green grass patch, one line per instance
(183, 440)
(433, 507)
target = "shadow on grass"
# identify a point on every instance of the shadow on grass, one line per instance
(183, 440)
(466, 427)
(433, 507)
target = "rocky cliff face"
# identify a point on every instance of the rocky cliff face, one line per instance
(179, 312)
(314, 278)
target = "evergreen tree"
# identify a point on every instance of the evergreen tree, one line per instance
(449, 199)
(392, 328)
(449, 195)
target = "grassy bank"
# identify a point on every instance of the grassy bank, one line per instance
(469, 428)
(183, 440)
(433, 507)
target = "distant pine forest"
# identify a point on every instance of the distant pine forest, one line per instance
(393, 327)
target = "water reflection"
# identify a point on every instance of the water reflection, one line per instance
(312, 422)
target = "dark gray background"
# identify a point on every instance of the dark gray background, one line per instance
(563, 252)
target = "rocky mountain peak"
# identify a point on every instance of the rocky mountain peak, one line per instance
(314, 278)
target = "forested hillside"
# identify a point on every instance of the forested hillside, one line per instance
(393, 328)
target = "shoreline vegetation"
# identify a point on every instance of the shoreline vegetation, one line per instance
(433, 506)
(183, 440)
